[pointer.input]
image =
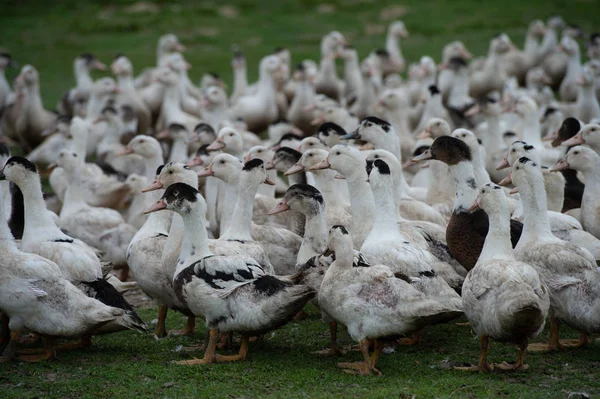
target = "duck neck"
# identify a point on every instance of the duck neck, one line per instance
(466, 185)
(151, 164)
(83, 78)
(79, 144)
(460, 88)
(74, 195)
(532, 131)
(362, 202)
(536, 224)
(179, 150)
(327, 67)
(573, 67)
(592, 180)
(126, 82)
(314, 241)
(392, 45)
(171, 101)
(493, 137)
(385, 210)
(95, 105)
(266, 87)
(267, 190)
(481, 174)
(330, 188)
(241, 219)
(497, 242)
(240, 80)
(195, 239)
(157, 223)
(6, 238)
(36, 215)
(587, 95)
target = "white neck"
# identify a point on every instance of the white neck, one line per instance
(172, 101)
(536, 225)
(95, 104)
(195, 239)
(179, 150)
(6, 238)
(83, 78)
(460, 89)
(497, 242)
(126, 82)
(229, 198)
(74, 199)
(267, 190)
(385, 212)
(36, 215)
(361, 199)
(240, 80)
(493, 136)
(481, 174)
(151, 164)
(331, 188)
(466, 185)
(532, 131)
(573, 68)
(241, 220)
(392, 45)
(315, 236)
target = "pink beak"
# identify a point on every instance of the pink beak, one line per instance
(196, 161)
(294, 169)
(474, 206)
(269, 181)
(158, 205)
(216, 145)
(163, 134)
(575, 140)
(279, 208)
(99, 66)
(503, 165)
(270, 165)
(126, 151)
(474, 110)
(156, 185)
(208, 171)
(514, 190)
(324, 164)
(562, 164)
(425, 134)
(506, 181)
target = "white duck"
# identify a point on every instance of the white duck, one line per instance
(588, 135)
(226, 289)
(502, 297)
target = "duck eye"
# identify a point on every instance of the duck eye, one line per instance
(170, 172)
(176, 193)
(576, 152)
(222, 162)
(338, 153)
(513, 150)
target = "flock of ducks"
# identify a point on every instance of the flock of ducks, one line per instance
(372, 196)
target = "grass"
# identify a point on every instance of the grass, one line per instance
(130, 365)
(50, 34)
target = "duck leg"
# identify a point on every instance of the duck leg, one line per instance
(554, 344)
(519, 364)
(483, 363)
(161, 330)
(189, 329)
(243, 353)
(124, 274)
(48, 353)
(364, 367)
(11, 349)
(334, 349)
(415, 340)
(225, 340)
(583, 340)
(375, 356)
(209, 354)
(86, 341)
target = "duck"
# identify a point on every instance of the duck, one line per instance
(518, 63)
(459, 100)
(180, 137)
(171, 108)
(587, 107)
(222, 288)
(352, 74)
(588, 134)
(395, 63)
(57, 138)
(265, 154)
(259, 109)
(327, 81)
(502, 298)
(83, 65)
(77, 261)
(6, 61)
(240, 78)
(102, 228)
(328, 134)
(492, 76)
(568, 270)
(386, 244)
(215, 110)
(469, 138)
(189, 95)
(445, 80)
(474, 225)
(372, 302)
(553, 61)
(304, 96)
(568, 87)
(586, 161)
(122, 68)
(283, 159)
(35, 118)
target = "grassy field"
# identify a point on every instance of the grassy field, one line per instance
(132, 365)
(50, 34)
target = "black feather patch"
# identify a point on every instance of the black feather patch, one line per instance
(525, 160)
(340, 228)
(549, 111)
(290, 136)
(382, 167)
(66, 240)
(159, 169)
(251, 164)
(450, 150)
(428, 273)
(433, 90)
(4, 150)
(420, 150)
(202, 150)
(471, 183)
(180, 191)
(296, 155)
(270, 285)
(103, 291)
(24, 162)
(204, 127)
(176, 127)
(382, 52)
(300, 67)
(112, 110)
(329, 127)
(380, 122)
(369, 167)
(16, 222)
(305, 190)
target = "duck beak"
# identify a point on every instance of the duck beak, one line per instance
(474, 110)
(156, 185)
(281, 207)
(550, 137)
(407, 164)
(340, 177)
(179, 47)
(208, 171)
(247, 158)
(126, 151)
(51, 165)
(503, 165)
(270, 165)
(424, 156)
(465, 53)
(196, 161)
(367, 147)
(158, 205)
(294, 169)
(99, 66)
(506, 181)
(216, 145)
(354, 135)
(425, 134)
(575, 140)
(269, 181)
(163, 134)
(2, 175)
(324, 164)
(318, 120)
(562, 164)
(474, 206)
(327, 252)
(515, 190)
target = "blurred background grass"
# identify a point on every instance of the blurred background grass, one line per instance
(49, 34)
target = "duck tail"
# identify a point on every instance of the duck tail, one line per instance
(287, 298)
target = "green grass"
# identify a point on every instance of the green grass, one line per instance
(130, 365)
(127, 364)
(50, 34)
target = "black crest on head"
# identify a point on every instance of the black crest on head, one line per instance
(569, 128)
(421, 149)
(330, 127)
(4, 150)
(382, 52)
(88, 57)
(549, 111)
(253, 163)
(377, 121)
(204, 127)
(340, 228)
(176, 127)
(457, 62)
(433, 90)
(306, 190)
(290, 136)
(456, 147)
(26, 163)
(382, 167)
(159, 169)
(180, 191)
(202, 150)
(289, 152)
